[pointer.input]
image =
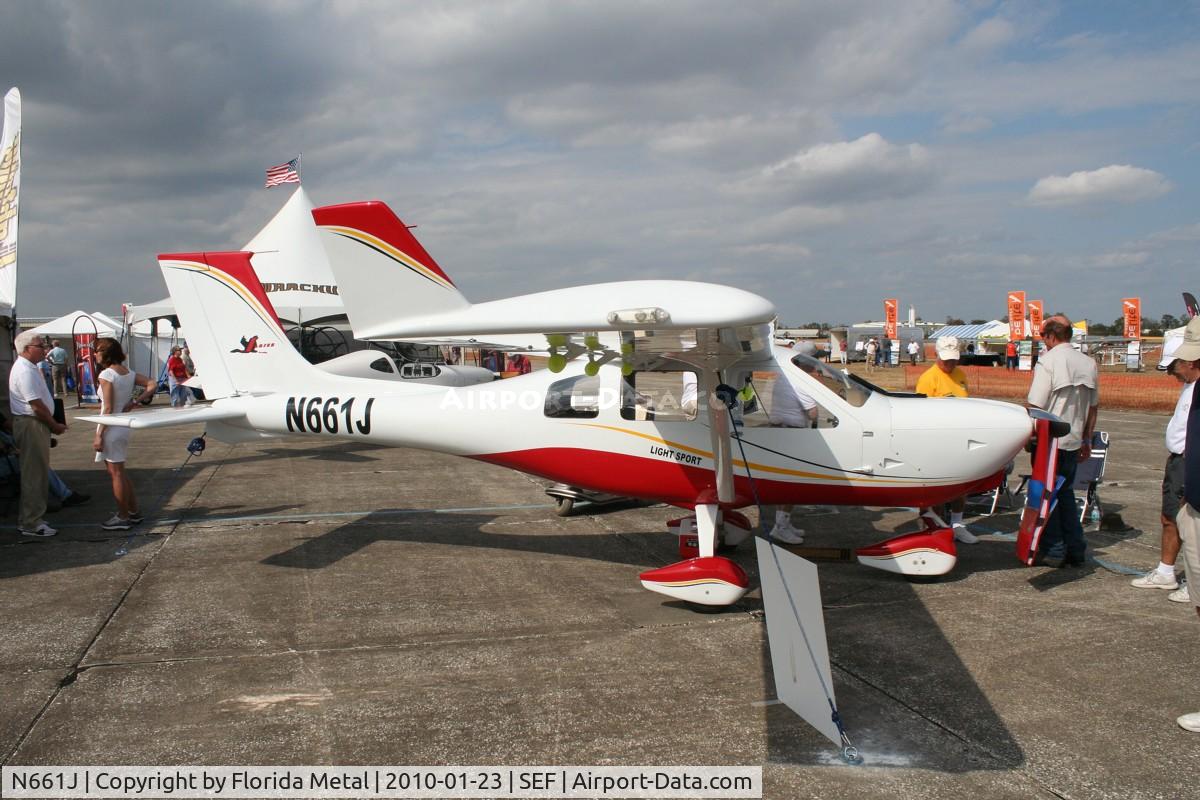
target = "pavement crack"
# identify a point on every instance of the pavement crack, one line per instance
(77, 667)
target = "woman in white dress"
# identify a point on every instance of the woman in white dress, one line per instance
(116, 384)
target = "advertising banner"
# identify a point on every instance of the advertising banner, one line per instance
(1035, 319)
(889, 318)
(85, 368)
(1016, 315)
(1132, 311)
(10, 191)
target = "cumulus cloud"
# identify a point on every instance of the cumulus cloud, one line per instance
(867, 168)
(1118, 183)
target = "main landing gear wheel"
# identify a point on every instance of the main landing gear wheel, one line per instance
(564, 506)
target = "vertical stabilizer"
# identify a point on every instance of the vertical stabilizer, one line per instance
(232, 331)
(381, 269)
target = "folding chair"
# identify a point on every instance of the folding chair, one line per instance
(993, 497)
(1089, 474)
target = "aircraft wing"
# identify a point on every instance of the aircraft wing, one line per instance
(163, 417)
(619, 306)
(514, 343)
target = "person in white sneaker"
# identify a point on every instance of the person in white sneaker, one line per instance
(1163, 576)
(1188, 518)
(111, 443)
(33, 421)
(790, 408)
(946, 379)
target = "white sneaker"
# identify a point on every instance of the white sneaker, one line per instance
(961, 534)
(1155, 580)
(116, 523)
(1190, 722)
(1180, 595)
(784, 532)
(41, 530)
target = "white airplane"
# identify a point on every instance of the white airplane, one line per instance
(614, 420)
(382, 366)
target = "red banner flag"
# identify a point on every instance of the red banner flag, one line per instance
(1035, 319)
(1016, 315)
(890, 308)
(1132, 308)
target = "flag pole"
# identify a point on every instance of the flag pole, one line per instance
(298, 167)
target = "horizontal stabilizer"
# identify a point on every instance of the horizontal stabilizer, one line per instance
(796, 631)
(163, 417)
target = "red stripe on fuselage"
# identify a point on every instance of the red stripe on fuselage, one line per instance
(681, 485)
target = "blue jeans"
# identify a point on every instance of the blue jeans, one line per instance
(57, 488)
(180, 394)
(1064, 531)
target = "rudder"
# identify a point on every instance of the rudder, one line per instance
(378, 264)
(231, 328)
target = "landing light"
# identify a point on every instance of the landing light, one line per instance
(639, 316)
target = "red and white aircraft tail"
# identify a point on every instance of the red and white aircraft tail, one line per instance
(381, 266)
(232, 329)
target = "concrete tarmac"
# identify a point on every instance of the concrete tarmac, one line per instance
(304, 601)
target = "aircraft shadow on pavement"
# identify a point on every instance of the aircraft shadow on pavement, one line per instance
(903, 692)
(906, 696)
(463, 530)
(343, 453)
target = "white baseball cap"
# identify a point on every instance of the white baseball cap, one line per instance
(1170, 347)
(1189, 350)
(947, 348)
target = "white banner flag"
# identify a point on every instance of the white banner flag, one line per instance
(10, 190)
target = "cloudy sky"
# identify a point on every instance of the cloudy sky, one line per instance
(824, 154)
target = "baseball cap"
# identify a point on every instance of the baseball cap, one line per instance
(1170, 347)
(947, 348)
(1189, 350)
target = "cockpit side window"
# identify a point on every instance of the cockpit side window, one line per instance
(383, 365)
(854, 393)
(776, 403)
(577, 397)
(660, 395)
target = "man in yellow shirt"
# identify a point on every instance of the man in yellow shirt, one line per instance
(946, 379)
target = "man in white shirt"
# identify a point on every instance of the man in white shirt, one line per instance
(790, 408)
(913, 350)
(1066, 383)
(1163, 576)
(33, 421)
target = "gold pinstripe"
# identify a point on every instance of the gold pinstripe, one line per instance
(399, 255)
(226, 279)
(847, 477)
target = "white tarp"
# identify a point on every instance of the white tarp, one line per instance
(78, 322)
(10, 190)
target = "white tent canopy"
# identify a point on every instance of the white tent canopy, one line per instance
(163, 308)
(290, 262)
(78, 322)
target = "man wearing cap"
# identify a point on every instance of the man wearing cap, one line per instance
(946, 379)
(1066, 383)
(1163, 576)
(33, 421)
(1188, 519)
(176, 377)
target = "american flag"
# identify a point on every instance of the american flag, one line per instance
(284, 173)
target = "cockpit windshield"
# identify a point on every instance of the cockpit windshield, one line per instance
(840, 383)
